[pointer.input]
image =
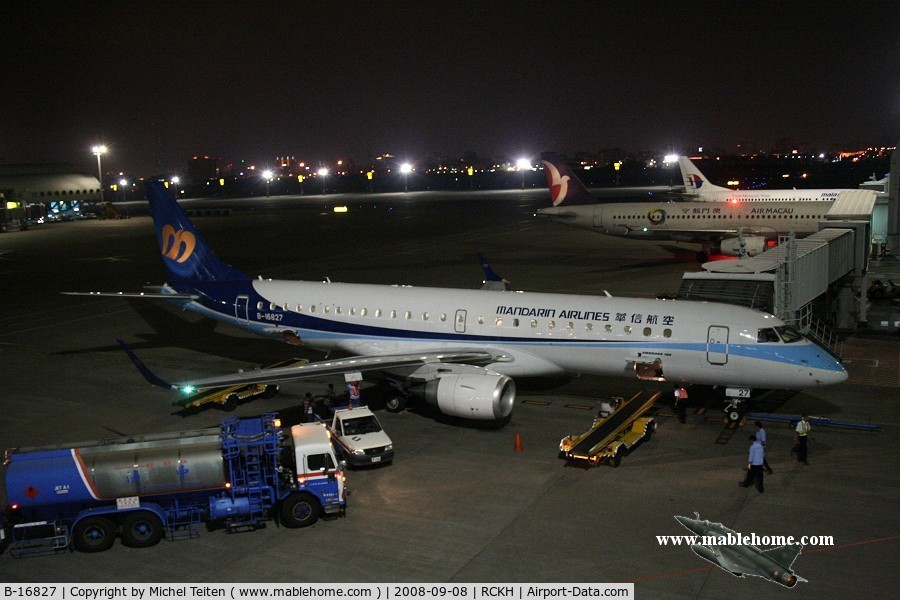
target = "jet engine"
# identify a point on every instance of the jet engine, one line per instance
(753, 244)
(785, 578)
(484, 397)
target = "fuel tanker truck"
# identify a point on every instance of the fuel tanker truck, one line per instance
(236, 476)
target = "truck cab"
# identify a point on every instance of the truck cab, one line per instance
(360, 438)
(317, 468)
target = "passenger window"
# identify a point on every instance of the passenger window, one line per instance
(425, 316)
(299, 308)
(337, 310)
(534, 323)
(608, 328)
(628, 329)
(667, 333)
(647, 332)
(393, 314)
(271, 306)
(312, 308)
(408, 314)
(551, 324)
(515, 322)
(259, 306)
(498, 321)
(481, 320)
(377, 312)
(443, 317)
(588, 327)
(363, 312)
(327, 309)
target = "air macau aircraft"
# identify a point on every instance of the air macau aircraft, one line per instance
(459, 349)
(720, 227)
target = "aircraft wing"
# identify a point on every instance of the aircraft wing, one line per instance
(315, 369)
(784, 555)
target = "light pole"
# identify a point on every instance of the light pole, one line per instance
(323, 173)
(405, 168)
(123, 183)
(175, 181)
(99, 151)
(523, 164)
(267, 175)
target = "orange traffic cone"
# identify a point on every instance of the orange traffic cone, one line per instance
(518, 447)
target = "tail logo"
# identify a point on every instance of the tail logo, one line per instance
(693, 181)
(559, 186)
(657, 216)
(177, 245)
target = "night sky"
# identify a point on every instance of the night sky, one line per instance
(323, 81)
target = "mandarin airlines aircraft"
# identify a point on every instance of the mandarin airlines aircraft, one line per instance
(459, 349)
(697, 185)
(722, 228)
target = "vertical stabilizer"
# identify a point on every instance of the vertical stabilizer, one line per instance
(695, 182)
(563, 183)
(185, 254)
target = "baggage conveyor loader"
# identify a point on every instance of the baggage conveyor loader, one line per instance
(619, 426)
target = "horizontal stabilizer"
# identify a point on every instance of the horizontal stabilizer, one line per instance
(147, 295)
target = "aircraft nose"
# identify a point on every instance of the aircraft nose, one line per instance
(684, 521)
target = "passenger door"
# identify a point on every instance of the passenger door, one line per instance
(240, 308)
(717, 345)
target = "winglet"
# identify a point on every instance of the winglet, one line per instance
(147, 373)
(492, 281)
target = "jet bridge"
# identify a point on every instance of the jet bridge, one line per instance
(792, 278)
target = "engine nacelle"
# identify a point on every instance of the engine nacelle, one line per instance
(753, 244)
(484, 397)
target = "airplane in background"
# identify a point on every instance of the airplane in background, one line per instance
(727, 228)
(698, 186)
(459, 350)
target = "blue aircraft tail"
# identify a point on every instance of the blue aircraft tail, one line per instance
(185, 254)
(563, 183)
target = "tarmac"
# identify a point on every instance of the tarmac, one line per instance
(459, 503)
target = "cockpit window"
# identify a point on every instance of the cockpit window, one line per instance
(789, 335)
(767, 335)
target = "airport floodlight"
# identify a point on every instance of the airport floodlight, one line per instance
(267, 175)
(668, 159)
(405, 168)
(176, 179)
(123, 182)
(523, 164)
(99, 151)
(323, 173)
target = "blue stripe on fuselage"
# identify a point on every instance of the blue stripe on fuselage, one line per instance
(217, 301)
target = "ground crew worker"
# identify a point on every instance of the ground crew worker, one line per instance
(353, 393)
(308, 414)
(681, 397)
(755, 461)
(761, 436)
(801, 433)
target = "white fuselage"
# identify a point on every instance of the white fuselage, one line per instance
(692, 221)
(727, 195)
(535, 334)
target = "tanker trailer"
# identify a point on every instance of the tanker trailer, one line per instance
(238, 475)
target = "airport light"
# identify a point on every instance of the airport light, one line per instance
(124, 183)
(668, 159)
(405, 168)
(323, 173)
(523, 164)
(99, 151)
(267, 175)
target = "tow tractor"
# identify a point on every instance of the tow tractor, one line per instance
(228, 398)
(619, 425)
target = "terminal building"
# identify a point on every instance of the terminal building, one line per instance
(34, 191)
